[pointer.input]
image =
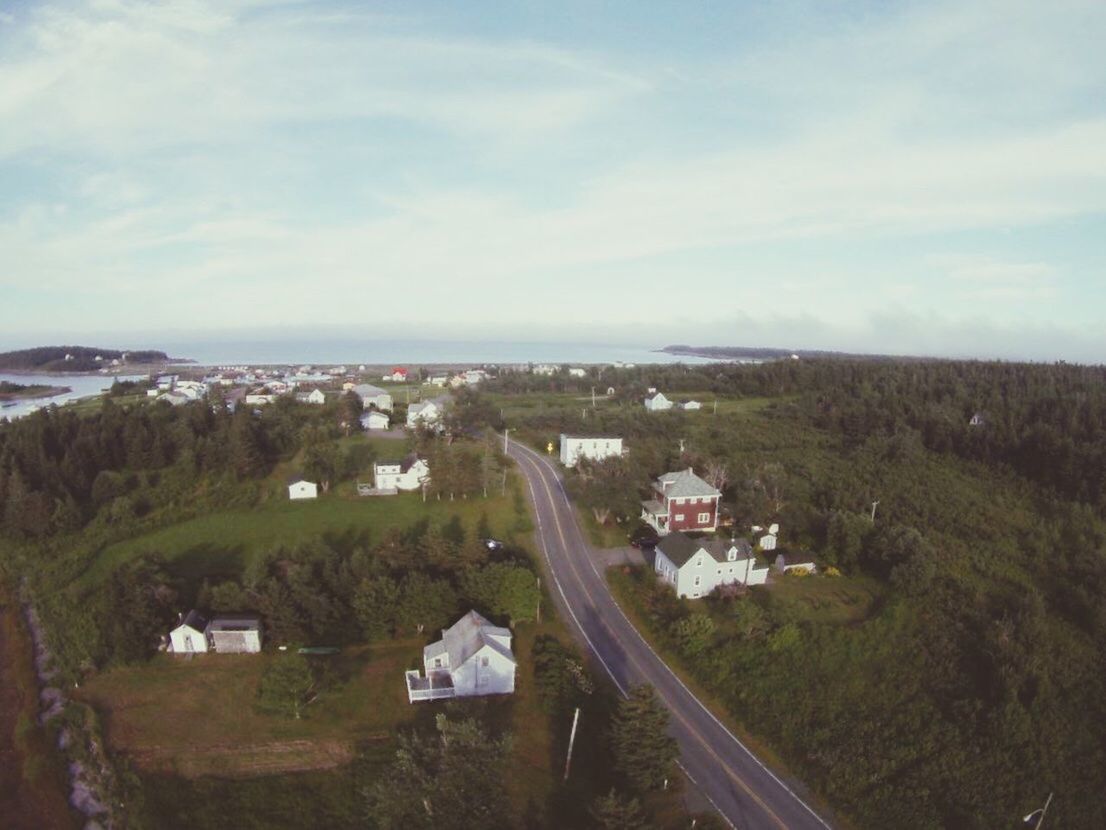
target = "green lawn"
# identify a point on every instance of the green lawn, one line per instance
(819, 599)
(224, 543)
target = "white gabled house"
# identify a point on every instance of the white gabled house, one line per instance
(577, 372)
(190, 635)
(300, 488)
(473, 658)
(657, 403)
(373, 396)
(315, 396)
(427, 413)
(235, 634)
(408, 474)
(695, 567)
(374, 420)
(691, 405)
(593, 447)
(767, 539)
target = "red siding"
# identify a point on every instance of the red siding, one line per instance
(691, 513)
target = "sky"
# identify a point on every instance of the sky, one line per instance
(897, 177)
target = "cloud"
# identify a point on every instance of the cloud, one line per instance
(318, 163)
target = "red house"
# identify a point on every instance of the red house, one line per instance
(683, 502)
(398, 374)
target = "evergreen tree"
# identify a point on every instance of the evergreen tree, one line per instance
(644, 752)
(617, 812)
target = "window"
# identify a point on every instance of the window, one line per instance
(679, 517)
(437, 662)
(483, 662)
(704, 518)
(698, 563)
(698, 581)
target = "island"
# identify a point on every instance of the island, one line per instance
(78, 359)
(10, 392)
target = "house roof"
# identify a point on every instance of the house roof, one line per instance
(296, 479)
(374, 413)
(194, 619)
(565, 437)
(368, 390)
(683, 484)
(470, 634)
(655, 507)
(657, 395)
(236, 622)
(419, 407)
(406, 464)
(679, 548)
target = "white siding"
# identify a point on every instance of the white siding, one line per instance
(303, 490)
(184, 639)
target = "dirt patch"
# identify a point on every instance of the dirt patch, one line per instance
(244, 760)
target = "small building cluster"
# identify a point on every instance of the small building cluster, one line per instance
(390, 477)
(223, 634)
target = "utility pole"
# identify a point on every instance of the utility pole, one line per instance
(571, 741)
(537, 615)
(875, 504)
(593, 397)
(716, 406)
(505, 432)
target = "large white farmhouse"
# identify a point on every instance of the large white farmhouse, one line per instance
(695, 567)
(427, 413)
(593, 447)
(408, 474)
(472, 658)
(373, 396)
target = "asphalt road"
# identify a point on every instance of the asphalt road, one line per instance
(745, 792)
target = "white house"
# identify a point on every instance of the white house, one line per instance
(374, 420)
(657, 403)
(438, 380)
(691, 405)
(259, 399)
(577, 372)
(235, 634)
(408, 474)
(472, 658)
(373, 396)
(695, 567)
(978, 420)
(190, 635)
(544, 369)
(315, 396)
(398, 375)
(804, 562)
(427, 413)
(301, 488)
(595, 447)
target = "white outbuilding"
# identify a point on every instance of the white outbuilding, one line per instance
(593, 447)
(190, 635)
(235, 634)
(657, 403)
(301, 488)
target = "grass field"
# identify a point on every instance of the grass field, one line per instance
(224, 543)
(821, 600)
(193, 718)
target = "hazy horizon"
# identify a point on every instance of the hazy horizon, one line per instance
(901, 178)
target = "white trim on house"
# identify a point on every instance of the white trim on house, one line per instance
(473, 658)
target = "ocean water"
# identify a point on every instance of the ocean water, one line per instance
(349, 352)
(82, 386)
(354, 352)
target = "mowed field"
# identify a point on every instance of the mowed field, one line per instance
(196, 717)
(226, 542)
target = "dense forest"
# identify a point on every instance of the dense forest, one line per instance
(956, 672)
(74, 358)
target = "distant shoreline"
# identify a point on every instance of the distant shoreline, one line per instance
(28, 393)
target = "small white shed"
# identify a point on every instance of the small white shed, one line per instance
(189, 637)
(300, 488)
